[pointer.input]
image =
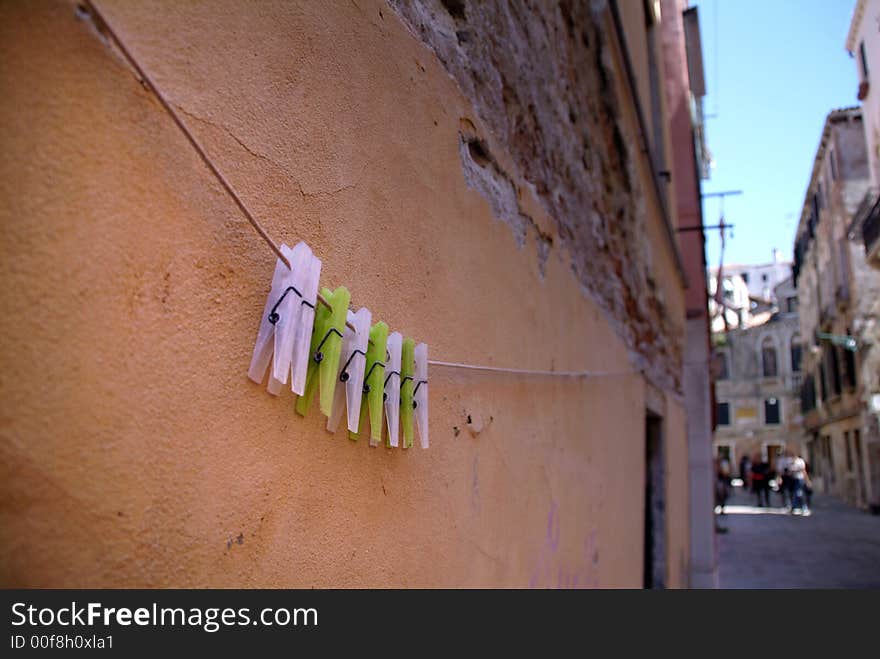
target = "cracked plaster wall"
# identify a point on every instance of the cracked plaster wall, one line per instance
(543, 83)
(133, 449)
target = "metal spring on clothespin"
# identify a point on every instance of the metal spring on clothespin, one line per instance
(419, 384)
(369, 373)
(388, 377)
(273, 315)
(343, 377)
(319, 356)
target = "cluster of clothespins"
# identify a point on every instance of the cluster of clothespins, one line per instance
(315, 341)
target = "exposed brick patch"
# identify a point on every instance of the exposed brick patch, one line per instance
(485, 175)
(540, 79)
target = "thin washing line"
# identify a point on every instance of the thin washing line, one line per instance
(265, 235)
(199, 149)
(525, 371)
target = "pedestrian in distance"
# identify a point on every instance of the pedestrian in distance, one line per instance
(783, 469)
(800, 479)
(745, 472)
(761, 481)
(722, 490)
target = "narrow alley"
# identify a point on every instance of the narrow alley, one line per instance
(837, 546)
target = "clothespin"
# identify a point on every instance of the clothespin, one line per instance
(420, 393)
(407, 372)
(351, 371)
(286, 314)
(302, 342)
(265, 343)
(325, 348)
(374, 394)
(391, 388)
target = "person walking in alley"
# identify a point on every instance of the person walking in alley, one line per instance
(722, 490)
(745, 472)
(761, 480)
(783, 470)
(722, 482)
(799, 483)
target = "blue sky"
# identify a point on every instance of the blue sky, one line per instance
(781, 65)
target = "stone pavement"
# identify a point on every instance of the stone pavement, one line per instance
(837, 546)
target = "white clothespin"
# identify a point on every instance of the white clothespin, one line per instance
(351, 370)
(420, 397)
(287, 314)
(392, 387)
(302, 342)
(264, 345)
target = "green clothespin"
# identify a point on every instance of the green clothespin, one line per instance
(407, 372)
(374, 382)
(325, 349)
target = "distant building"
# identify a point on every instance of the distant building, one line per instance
(863, 44)
(748, 294)
(734, 310)
(761, 278)
(758, 375)
(838, 306)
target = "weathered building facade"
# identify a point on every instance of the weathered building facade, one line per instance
(863, 44)
(837, 300)
(749, 293)
(685, 88)
(757, 391)
(484, 176)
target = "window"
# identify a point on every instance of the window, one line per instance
(795, 353)
(768, 359)
(745, 277)
(723, 414)
(764, 278)
(727, 286)
(832, 368)
(832, 161)
(771, 411)
(849, 365)
(863, 60)
(723, 372)
(857, 450)
(849, 456)
(827, 457)
(808, 394)
(791, 304)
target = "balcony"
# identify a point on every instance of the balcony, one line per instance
(871, 235)
(867, 222)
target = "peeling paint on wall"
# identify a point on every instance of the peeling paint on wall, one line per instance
(541, 81)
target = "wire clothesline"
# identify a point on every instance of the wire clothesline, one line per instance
(104, 24)
(527, 371)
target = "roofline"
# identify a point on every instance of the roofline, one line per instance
(854, 25)
(752, 265)
(835, 116)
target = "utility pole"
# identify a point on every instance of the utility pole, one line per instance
(721, 226)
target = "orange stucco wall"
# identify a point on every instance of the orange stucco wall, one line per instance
(133, 449)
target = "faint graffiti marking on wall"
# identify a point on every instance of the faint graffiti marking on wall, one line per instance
(553, 569)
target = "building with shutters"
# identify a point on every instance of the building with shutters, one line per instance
(757, 380)
(837, 297)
